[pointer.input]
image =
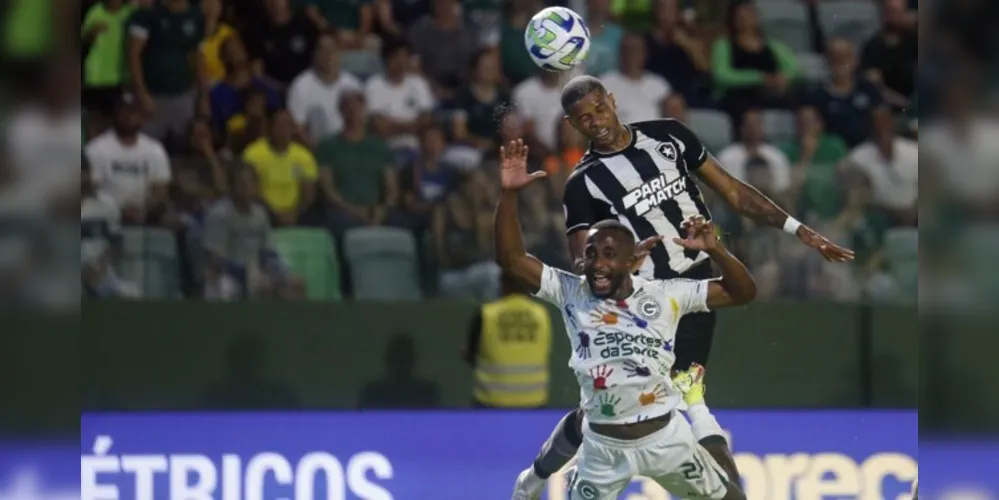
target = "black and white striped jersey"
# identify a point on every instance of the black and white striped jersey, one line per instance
(648, 187)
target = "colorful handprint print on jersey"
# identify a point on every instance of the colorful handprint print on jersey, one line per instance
(583, 345)
(633, 369)
(599, 375)
(656, 395)
(607, 404)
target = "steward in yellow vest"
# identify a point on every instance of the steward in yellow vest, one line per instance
(508, 349)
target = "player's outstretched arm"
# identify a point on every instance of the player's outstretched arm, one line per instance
(510, 252)
(737, 286)
(751, 203)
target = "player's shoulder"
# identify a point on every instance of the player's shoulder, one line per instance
(663, 128)
(671, 287)
(588, 161)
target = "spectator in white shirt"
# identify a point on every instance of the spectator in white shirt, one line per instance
(640, 95)
(752, 146)
(131, 167)
(539, 101)
(890, 165)
(314, 95)
(100, 239)
(399, 100)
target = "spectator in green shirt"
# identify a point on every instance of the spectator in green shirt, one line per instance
(750, 69)
(104, 66)
(351, 20)
(356, 170)
(164, 65)
(816, 156)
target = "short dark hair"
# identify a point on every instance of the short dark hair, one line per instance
(391, 47)
(614, 226)
(578, 88)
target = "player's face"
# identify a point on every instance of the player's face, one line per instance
(595, 116)
(607, 261)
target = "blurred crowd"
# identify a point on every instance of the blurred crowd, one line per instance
(329, 148)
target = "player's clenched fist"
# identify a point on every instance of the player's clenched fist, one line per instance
(513, 166)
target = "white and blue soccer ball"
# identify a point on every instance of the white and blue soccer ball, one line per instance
(557, 39)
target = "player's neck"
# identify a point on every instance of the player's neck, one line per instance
(622, 141)
(625, 290)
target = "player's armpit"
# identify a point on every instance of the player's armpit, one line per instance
(526, 270)
(745, 199)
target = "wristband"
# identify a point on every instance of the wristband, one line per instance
(791, 225)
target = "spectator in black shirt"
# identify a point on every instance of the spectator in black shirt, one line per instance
(846, 100)
(284, 45)
(676, 55)
(480, 105)
(889, 59)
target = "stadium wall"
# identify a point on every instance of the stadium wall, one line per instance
(165, 355)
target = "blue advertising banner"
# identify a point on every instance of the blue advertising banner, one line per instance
(782, 455)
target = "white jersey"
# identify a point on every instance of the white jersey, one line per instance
(622, 351)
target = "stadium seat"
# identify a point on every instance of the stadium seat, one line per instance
(779, 125)
(813, 67)
(856, 21)
(150, 261)
(787, 21)
(311, 255)
(713, 127)
(901, 250)
(383, 263)
(362, 63)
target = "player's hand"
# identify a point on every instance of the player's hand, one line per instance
(700, 235)
(513, 166)
(829, 250)
(642, 251)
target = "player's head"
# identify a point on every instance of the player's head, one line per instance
(608, 257)
(591, 110)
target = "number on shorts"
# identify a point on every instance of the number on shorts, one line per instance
(692, 470)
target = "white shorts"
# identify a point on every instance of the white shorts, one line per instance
(670, 456)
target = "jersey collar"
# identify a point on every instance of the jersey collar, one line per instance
(634, 139)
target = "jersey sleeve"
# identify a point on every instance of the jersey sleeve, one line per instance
(557, 285)
(691, 148)
(690, 295)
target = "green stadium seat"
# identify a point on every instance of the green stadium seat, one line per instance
(814, 68)
(311, 254)
(901, 250)
(787, 22)
(150, 261)
(383, 263)
(779, 125)
(855, 20)
(713, 127)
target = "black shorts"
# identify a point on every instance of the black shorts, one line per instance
(695, 332)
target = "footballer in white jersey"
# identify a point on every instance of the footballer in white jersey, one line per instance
(622, 329)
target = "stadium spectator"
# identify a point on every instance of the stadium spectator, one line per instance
(104, 66)
(164, 64)
(463, 240)
(816, 157)
(480, 106)
(400, 101)
(286, 170)
(675, 107)
(407, 12)
(639, 94)
(357, 170)
(890, 165)
(889, 58)
(750, 69)
(538, 101)
(241, 255)
(752, 151)
(400, 387)
(100, 241)
(517, 63)
(427, 182)
(42, 141)
(351, 20)
(571, 148)
(445, 47)
(605, 38)
(204, 159)
(845, 101)
(314, 96)
(132, 167)
(217, 31)
(284, 43)
(485, 21)
(228, 96)
(675, 54)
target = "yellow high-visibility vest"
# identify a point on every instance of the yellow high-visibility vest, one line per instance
(511, 369)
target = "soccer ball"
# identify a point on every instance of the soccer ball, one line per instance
(557, 39)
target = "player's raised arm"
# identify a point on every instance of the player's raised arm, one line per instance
(750, 202)
(510, 252)
(737, 286)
